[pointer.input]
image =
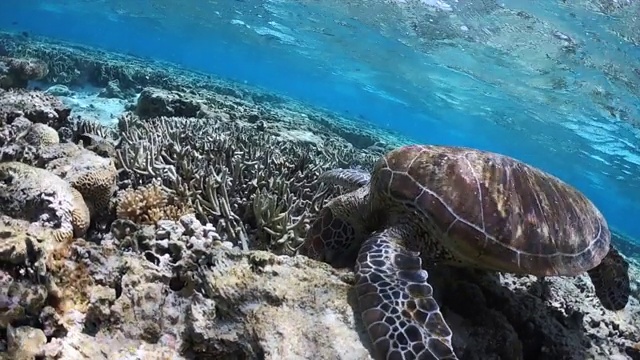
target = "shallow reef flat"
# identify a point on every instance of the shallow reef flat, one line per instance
(168, 229)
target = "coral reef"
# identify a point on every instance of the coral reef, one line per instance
(34, 106)
(173, 234)
(17, 72)
(251, 184)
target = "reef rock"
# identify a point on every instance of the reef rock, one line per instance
(25, 342)
(39, 196)
(36, 106)
(155, 102)
(184, 301)
(16, 72)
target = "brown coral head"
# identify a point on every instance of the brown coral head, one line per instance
(149, 204)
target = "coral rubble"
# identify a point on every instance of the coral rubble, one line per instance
(173, 234)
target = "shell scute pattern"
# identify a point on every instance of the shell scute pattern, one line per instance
(495, 209)
(461, 207)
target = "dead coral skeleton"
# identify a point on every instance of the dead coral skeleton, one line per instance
(233, 175)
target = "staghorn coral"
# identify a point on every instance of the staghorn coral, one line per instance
(232, 174)
(39, 196)
(97, 144)
(95, 137)
(149, 204)
(82, 127)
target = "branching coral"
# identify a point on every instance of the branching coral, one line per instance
(149, 204)
(232, 174)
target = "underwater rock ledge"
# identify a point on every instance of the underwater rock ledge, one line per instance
(172, 235)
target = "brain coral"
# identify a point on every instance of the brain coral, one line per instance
(41, 135)
(39, 196)
(92, 175)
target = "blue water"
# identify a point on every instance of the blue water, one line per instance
(489, 85)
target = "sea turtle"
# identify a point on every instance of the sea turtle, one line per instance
(462, 207)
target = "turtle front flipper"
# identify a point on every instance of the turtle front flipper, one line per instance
(350, 179)
(396, 302)
(611, 281)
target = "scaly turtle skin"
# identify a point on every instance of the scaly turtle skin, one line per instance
(461, 207)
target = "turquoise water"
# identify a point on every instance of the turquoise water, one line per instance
(551, 83)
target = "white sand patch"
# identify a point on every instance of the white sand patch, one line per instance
(85, 103)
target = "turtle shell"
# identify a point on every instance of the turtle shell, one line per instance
(493, 211)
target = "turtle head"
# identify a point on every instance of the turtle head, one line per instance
(611, 281)
(332, 239)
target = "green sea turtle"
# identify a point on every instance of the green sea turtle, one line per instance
(461, 207)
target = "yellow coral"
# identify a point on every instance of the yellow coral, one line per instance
(148, 204)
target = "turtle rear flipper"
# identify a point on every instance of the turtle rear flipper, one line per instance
(349, 179)
(396, 301)
(611, 281)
